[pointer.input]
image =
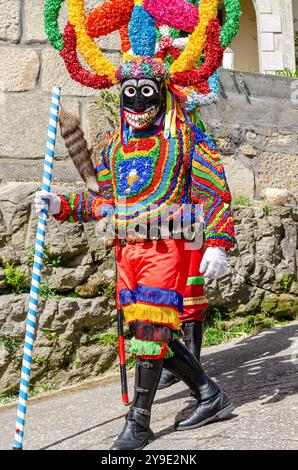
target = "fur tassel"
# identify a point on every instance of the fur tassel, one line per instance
(78, 149)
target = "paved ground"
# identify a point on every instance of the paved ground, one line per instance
(260, 374)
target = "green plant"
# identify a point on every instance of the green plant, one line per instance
(288, 73)
(15, 278)
(130, 362)
(9, 398)
(58, 261)
(11, 344)
(210, 134)
(48, 258)
(213, 336)
(108, 338)
(50, 335)
(69, 351)
(219, 335)
(286, 282)
(39, 360)
(39, 388)
(35, 389)
(30, 256)
(241, 80)
(45, 291)
(215, 316)
(109, 291)
(109, 102)
(220, 328)
(241, 201)
(71, 294)
(267, 209)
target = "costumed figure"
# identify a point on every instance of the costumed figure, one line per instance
(158, 177)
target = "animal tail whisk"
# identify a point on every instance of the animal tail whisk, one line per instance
(77, 147)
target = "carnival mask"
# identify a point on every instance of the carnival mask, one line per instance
(142, 100)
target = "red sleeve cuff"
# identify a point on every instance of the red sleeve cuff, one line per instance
(220, 242)
(64, 211)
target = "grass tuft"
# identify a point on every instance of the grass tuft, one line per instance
(15, 278)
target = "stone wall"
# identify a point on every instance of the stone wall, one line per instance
(76, 331)
(76, 336)
(30, 68)
(255, 125)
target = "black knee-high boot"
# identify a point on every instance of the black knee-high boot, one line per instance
(213, 404)
(136, 433)
(193, 338)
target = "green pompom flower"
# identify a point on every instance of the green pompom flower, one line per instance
(231, 25)
(51, 14)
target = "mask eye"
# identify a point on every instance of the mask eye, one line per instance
(147, 91)
(130, 91)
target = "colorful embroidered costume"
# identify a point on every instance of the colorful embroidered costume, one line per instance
(151, 180)
(158, 178)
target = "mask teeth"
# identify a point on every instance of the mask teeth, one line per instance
(139, 120)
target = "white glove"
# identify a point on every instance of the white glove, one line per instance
(40, 202)
(214, 263)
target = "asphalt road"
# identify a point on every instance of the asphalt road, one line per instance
(259, 373)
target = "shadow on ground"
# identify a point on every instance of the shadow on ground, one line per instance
(261, 367)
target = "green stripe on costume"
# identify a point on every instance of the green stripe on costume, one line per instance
(106, 177)
(71, 199)
(205, 176)
(195, 281)
(148, 348)
(217, 218)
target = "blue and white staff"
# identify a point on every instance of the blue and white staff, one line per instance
(36, 274)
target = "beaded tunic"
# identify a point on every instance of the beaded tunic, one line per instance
(157, 179)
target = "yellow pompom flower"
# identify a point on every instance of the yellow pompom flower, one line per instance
(197, 40)
(86, 45)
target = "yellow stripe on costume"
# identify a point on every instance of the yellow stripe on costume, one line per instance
(152, 314)
(103, 172)
(187, 301)
(210, 172)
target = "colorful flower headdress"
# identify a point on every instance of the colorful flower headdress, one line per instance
(151, 41)
(142, 67)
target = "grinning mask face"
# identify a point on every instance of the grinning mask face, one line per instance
(142, 101)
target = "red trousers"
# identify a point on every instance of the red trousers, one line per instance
(159, 282)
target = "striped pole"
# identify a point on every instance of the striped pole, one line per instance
(36, 275)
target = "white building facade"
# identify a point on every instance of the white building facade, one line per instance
(267, 40)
